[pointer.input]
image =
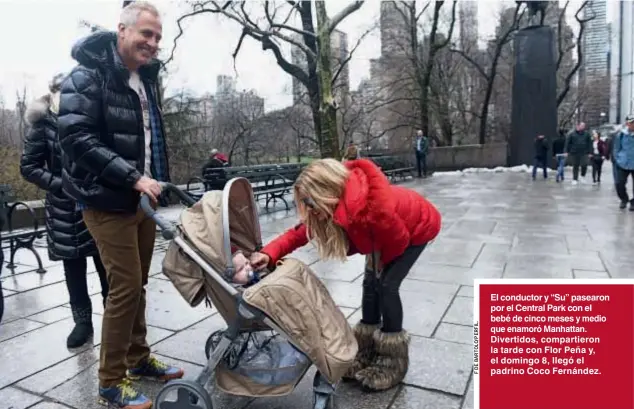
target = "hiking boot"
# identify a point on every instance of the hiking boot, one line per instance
(364, 335)
(83, 330)
(390, 364)
(123, 396)
(155, 369)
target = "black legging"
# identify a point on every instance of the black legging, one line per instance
(77, 284)
(597, 164)
(381, 297)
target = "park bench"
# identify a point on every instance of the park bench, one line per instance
(271, 181)
(394, 166)
(19, 238)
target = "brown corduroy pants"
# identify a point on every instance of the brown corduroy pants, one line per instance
(125, 243)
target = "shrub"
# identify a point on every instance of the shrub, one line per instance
(10, 175)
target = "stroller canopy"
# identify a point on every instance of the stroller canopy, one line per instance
(222, 221)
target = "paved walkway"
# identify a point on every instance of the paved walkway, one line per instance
(495, 225)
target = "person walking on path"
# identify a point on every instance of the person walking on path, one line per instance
(541, 156)
(68, 239)
(352, 208)
(599, 153)
(113, 140)
(560, 155)
(579, 149)
(421, 147)
(624, 161)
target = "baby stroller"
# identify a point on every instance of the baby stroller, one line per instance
(277, 328)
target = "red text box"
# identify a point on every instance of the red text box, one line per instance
(555, 346)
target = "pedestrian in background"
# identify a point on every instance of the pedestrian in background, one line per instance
(559, 145)
(624, 161)
(579, 149)
(599, 153)
(541, 155)
(67, 237)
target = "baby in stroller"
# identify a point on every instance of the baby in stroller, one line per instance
(279, 324)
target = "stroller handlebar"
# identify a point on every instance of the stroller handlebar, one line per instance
(182, 195)
(167, 230)
(148, 209)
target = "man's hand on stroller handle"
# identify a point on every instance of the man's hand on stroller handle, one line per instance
(259, 261)
(149, 186)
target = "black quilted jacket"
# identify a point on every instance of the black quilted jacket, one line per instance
(41, 164)
(101, 127)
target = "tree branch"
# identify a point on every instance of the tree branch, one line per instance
(473, 62)
(345, 62)
(443, 44)
(349, 9)
(582, 24)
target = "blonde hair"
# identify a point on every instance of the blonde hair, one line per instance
(319, 187)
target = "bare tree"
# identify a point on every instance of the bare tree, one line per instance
(502, 37)
(424, 66)
(314, 42)
(414, 53)
(563, 50)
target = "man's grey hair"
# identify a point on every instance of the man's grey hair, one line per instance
(130, 13)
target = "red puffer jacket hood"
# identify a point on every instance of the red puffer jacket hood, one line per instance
(383, 217)
(376, 216)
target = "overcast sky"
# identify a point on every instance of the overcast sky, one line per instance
(37, 36)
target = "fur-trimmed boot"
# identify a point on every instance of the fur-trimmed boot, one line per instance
(390, 363)
(83, 327)
(364, 334)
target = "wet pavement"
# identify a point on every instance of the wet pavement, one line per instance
(495, 225)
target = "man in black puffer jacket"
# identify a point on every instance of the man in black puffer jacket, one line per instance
(113, 139)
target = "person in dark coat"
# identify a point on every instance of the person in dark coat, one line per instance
(215, 181)
(579, 149)
(599, 153)
(67, 235)
(541, 155)
(216, 160)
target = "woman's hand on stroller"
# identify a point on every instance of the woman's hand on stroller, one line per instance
(259, 261)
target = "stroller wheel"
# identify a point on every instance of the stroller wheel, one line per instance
(212, 342)
(183, 394)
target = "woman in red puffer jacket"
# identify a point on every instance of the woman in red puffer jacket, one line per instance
(352, 208)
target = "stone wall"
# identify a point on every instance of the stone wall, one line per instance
(458, 157)
(467, 156)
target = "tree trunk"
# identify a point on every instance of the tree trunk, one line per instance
(327, 108)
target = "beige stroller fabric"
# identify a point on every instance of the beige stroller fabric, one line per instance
(205, 226)
(296, 300)
(292, 296)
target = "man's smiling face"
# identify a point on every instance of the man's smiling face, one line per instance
(139, 42)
